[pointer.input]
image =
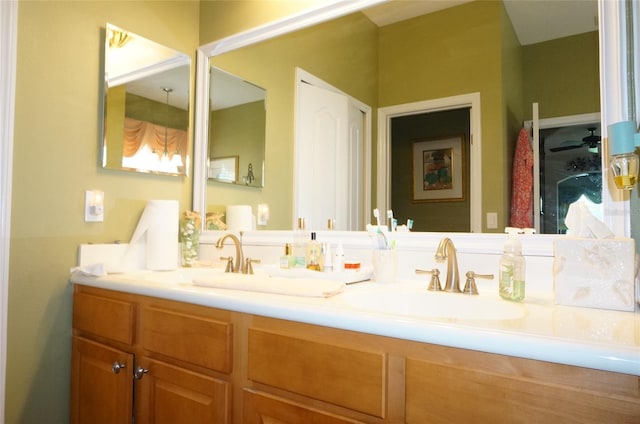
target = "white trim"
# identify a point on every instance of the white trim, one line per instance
(613, 101)
(321, 13)
(8, 53)
(385, 115)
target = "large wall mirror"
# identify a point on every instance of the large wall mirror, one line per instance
(505, 102)
(146, 105)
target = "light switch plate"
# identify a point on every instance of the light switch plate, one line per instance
(492, 220)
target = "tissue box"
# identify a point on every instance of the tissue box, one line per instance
(595, 273)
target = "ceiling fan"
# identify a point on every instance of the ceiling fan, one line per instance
(592, 142)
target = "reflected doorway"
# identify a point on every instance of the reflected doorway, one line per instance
(570, 169)
(429, 127)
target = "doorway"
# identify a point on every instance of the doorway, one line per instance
(386, 114)
(427, 129)
(570, 170)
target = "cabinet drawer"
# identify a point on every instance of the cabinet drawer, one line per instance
(190, 338)
(262, 408)
(347, 377)
(104, 317)
(442, 393)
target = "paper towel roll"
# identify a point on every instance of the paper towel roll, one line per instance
(239, 218)
(158, 229)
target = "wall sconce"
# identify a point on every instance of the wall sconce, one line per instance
(623, 139)
(94, 206)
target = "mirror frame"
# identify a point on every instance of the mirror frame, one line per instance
(615, 91)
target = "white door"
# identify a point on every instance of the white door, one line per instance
(355, 168)
(328, 159)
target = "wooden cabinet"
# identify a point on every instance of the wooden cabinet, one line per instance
(153, 360)
(480, 387)
(262, 408)
(170, 394)
(207, 365)
(102, 387)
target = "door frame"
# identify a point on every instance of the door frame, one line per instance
(8, 55)
(385, 114)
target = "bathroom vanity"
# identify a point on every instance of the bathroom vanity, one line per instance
(163, 350)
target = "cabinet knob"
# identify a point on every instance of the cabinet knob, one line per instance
(116, 367)
(139, 373)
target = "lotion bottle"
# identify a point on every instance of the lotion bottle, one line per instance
(512, 269)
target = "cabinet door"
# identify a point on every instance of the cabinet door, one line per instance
(101, 384)
(262, 408)
(166, 394)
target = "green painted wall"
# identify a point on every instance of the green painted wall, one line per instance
(563, 76)
(239, 131)
(56, 149)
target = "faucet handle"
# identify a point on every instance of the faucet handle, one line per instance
(248, 267)
(434, 284)
(229, 267)
(470, 286)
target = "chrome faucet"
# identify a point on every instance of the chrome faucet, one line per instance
(446, 250)
(239, 256)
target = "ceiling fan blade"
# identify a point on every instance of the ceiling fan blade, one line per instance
(568, 147)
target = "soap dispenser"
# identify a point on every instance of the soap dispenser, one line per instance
(512, 268)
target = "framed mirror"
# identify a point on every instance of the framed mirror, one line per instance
(236, 142)
(496, 156)
(146, 105)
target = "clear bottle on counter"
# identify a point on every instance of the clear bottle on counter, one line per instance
(327, 257)
(512, 270)
(338, 259)
(314, 252)
(300, 240)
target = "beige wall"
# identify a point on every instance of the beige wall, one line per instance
(55, 160)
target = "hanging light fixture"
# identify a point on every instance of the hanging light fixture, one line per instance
(176, 158)
(165, 153)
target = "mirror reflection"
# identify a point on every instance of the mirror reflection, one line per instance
(237, 120)
(146, 105)
(385, 62)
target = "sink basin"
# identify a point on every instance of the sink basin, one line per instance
(424, 304)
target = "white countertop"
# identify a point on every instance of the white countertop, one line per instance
(592, 338)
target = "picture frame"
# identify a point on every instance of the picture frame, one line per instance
(438, 170)
(224, 169)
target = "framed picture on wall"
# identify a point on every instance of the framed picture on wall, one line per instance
(438, 170)
(224, 169)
